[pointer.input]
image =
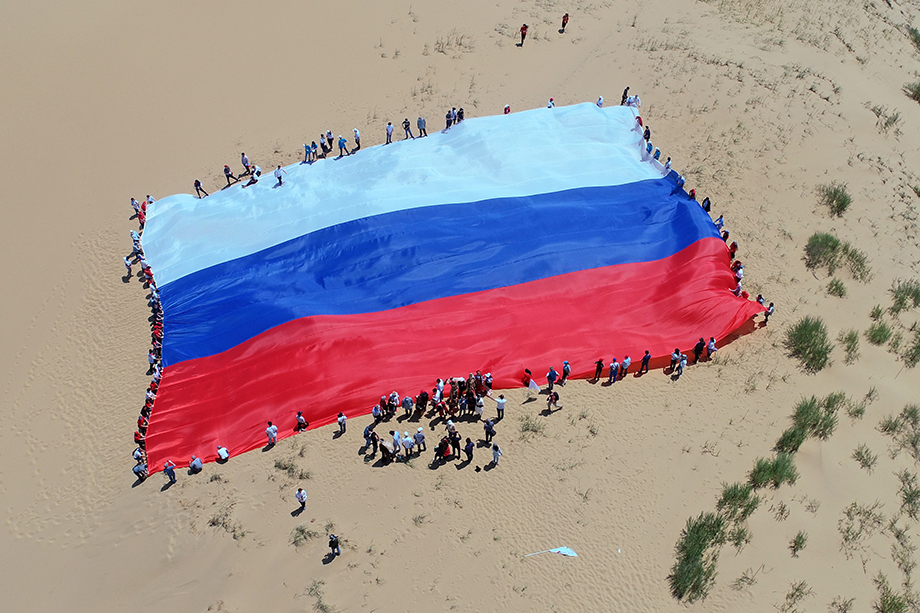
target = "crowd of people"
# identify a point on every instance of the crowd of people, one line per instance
(451, 400)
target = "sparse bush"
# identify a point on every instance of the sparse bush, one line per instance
(797, 593)
(876, 313)
(904, 431)
(697, 552)
(530, 425)
(849, 339)
(910, 494)
(889, 601)
(798, 543)
(913, 91)
(835, 197)
(911, 354)
(837, 288)
(289, 466)
(857, 262)
(905, 295)
(878, 333)
(865, 457)
(807, 340)
(841, 605)
(301, 535)
(914, 35)
(858, 524)
(739, 536)
(822, 251)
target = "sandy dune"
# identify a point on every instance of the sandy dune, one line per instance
(757, 102)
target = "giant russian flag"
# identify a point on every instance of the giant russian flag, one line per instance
(507, 242)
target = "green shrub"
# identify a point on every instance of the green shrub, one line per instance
(876, 313)
(737, 501)
(878, 333)
(781, 469)
(807, 340)
(837, 288)
(905, 295)
(697, 552)
(849, 339)
(857, 262)
(835, 197)
(798, 543)
(913, 91)
(822, 251)
(790, 440)
(865, 457)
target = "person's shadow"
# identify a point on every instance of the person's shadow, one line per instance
(127, 278)
(337, 434)
(329, 557)
(463, 464)
(521, 44)
(561, 31)
(166, 486)
(296, 512)
(267, 447)
(489, 466)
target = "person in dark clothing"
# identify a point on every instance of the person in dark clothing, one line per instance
(625, 96)
(645, 360)
(698, 350)
(199, 190)
(449, 118)
(599, 368)
(523, 34)
(334, 545)
(228, 174)
(565, 22)
(468, 450)
(489, 429)
(647, 135)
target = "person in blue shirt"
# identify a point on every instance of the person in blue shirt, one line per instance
(645, 360)
(551, 377)
(343, 146)
(421, 123)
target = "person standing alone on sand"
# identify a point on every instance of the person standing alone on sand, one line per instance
(389, 133)
(523, 34)
(301, 497)
(199, 190)
(565, 22)
(228, 174)
(496, 453)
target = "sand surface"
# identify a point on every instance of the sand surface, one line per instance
(757, 102)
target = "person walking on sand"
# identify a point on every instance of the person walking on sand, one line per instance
(341, 421)
(681, 365)
(766, 316)
(357, 140)
(625, 97)
(407, 127)
(278, 174)
(136, 206)
(489, 429)
(306, 153)
(389, 133)
(247, 167)
(496, 453)
(698, 349)
(523, 34)
(468, 450)
(128, 266)
(228, 174)
(301, 422)
(301, 497)
(565, 22)
(329, 139)
(334, 545)
(500, 407)
(169, 469)
(419, 437)
(272, 433)
(551, 377)
(343, 146)
(711, 347)
(199, 190)
(566, 372)
(421, 123)
(449, 119)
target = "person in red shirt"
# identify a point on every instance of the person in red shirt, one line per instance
(523, 34)
(565, 22)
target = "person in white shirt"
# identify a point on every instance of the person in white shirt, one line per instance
(246, 165)
(667, 164)
(278, 172)
(272, 433)
(551, 103)
(408, 443)
(389, 133)
(341, 421)
(301, 422)
(480, 407)
(357, 140)
(711, 347)
(223, 453)
(301, 497)
(500, 406)
(138, 455)
(195, 465)
(624, 366)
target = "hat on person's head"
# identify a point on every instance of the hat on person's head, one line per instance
(406, 434)
(450, 423)
(565, 361)
(420, 429)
